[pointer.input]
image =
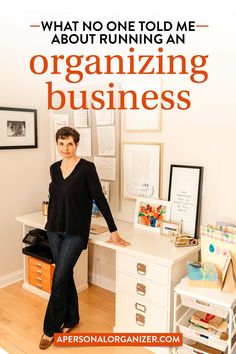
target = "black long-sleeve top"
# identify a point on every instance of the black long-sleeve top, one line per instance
(71, 199)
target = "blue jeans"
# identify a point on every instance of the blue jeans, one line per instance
(63, 308)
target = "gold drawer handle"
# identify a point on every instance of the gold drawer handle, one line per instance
(141, 268)
(39, 279)
(140, 319)
(141, 289)
(39, 286)
(140, 307)
(38, 271)
(39, 265)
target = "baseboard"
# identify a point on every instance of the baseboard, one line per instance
(11, 278)
(105, 283)
(82, 287)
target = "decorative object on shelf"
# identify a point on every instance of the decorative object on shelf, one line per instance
(182, 240)
(224, 227)
(95, 211)
(208, 321)
(185, 194)
(149, 213)
(18, 128)
(45, 208)
(224, 234)
(202, 275)
(228, 275)
(216, 245)
(170, 226)
(142, 170)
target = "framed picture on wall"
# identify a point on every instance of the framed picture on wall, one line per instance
(150, 213)
(185, 187)
(18, 128)
(142, 170)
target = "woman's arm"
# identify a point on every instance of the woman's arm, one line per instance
(95, 189)
(117, 240)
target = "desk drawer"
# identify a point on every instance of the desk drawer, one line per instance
(136, 315)
(204, 306)
(143, 288)
(199, 334)
(39, 264)
(33, 271)
(41, 283)
(143, 268)
(40, 280)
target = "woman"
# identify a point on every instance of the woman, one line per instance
(74, 185)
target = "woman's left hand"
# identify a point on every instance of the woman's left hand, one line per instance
(117, 240)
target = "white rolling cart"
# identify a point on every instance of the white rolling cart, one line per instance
(189, 299)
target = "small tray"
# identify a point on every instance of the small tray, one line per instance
(38, 251)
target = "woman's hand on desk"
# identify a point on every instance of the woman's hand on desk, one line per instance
(117, 240)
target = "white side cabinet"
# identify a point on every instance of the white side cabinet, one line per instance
(213, 301)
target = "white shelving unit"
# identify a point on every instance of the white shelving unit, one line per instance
(189, 299)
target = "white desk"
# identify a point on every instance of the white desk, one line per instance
(146, 274)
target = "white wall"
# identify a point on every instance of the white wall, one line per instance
(203, 135)
(24, 173)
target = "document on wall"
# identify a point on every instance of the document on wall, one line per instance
(80, 116)
(106, 167)
(60, 120)
(105, 116)
(81, 119)
(85, 143)
(106, 140)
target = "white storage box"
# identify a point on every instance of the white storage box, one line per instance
(188, 348)
(204, 306)
(198, 334)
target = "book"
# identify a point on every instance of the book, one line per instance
(208, 321)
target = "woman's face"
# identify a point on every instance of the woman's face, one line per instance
(67, 147)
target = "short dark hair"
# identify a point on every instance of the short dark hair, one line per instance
(65, 132)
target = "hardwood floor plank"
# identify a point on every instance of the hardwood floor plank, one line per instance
(22, 314)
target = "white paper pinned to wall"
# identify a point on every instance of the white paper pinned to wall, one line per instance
(85, 144)
(106, 167)
(106, 140)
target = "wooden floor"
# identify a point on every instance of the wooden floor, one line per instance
(22, 313)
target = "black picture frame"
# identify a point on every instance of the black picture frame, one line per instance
(185, 190)
(18, 128)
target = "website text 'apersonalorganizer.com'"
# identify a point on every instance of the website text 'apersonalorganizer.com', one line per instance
(118, 339)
